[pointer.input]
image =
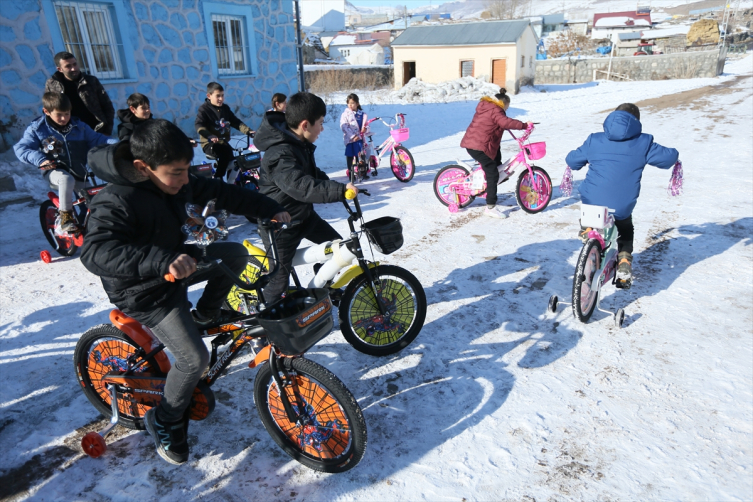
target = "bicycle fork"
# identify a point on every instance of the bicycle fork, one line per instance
(301, 418)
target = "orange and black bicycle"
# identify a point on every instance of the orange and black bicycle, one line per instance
(306, 409)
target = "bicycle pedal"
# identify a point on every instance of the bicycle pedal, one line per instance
(623, 284)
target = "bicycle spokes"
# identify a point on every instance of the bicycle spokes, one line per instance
(399, 310)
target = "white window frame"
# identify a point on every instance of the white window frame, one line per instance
(233, 50)
(473, 67)
(103, 30)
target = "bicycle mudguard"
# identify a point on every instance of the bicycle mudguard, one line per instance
(257, 252)
(54, 198)
(350, 274)
(261, 357)
(142, 337)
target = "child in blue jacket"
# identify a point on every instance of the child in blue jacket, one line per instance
(71, 139)
(617, 157)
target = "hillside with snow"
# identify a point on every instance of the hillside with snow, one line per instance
(496, 399)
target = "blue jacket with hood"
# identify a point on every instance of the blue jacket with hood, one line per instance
(617, 157)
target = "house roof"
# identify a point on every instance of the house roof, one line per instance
(618, 19)
(485, 33)
(554, 19)
(633, 35)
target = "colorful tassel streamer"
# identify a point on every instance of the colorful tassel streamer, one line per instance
(566, 186)
(675, 182)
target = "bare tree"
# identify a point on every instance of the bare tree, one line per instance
(506, 9)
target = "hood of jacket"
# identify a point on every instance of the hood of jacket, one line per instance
(274, 131)
(114, 164)
(126, 115)
(494, 101)
(621, 126)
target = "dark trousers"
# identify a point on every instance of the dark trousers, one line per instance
(625, 232)
(182, 337)
(313, 228)
(223, 153)
(490, 171)
(350, 161)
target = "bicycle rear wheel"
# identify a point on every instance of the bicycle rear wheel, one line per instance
(234, 299)
(589, 263)
(402, 163)
(48, 213)
(103, 349)
(334, 439)
(366, 328)
(447, 175)
(533, 193)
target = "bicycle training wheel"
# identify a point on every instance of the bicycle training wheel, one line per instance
(234, 299)
(402, 163)
(447, 175)
(366, 328)
(48, 213)
(334, 437)
(589, 263)
(534, 193)
(103, 349)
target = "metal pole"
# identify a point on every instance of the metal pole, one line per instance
(611, 55)
(299, 47)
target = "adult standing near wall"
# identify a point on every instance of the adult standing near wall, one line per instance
(91, 103)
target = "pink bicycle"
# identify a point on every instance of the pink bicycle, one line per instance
(401, 160)
(457, 185)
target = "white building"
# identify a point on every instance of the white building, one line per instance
(358, 48)
(323, 15)
(610, 23)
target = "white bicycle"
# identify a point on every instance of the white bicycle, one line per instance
(382, 308)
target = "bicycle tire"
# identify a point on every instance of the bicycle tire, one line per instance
(110, 342)
(252, 272)
(336, 446)
(48, 213)
(589, 262)
(444, 177)
(402, 170)
(534, 200)
(362, 324)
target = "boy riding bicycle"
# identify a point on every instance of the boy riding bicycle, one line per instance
(134, 237)
(289, 176)
(617, 158)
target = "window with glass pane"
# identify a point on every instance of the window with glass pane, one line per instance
(88, 34)
(230, 44)
(466, 68)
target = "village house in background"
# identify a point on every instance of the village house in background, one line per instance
(503, 51)
(609, 23)
(359, 48)
(166, 49)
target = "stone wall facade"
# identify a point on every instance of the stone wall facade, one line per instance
(660, 67)
(171, 57)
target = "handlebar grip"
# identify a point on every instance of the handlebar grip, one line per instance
(350, 194)
(169, 277)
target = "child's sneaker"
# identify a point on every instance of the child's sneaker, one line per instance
(495, 212)
(624, 270)
(68, 223)
(222, 316)
(171, 438)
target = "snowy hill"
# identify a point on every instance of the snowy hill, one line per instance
(496, 399)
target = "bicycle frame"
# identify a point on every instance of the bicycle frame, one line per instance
(389, 144)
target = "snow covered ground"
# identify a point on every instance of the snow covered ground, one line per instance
(495, 400)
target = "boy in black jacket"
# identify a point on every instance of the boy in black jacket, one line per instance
(134, 237)
(289, 176)
(138, 111)
(213, 123)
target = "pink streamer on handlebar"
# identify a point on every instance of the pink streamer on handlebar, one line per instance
(566, 185)
(675, 181)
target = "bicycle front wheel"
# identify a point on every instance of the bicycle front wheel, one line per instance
(589, 263)
(99, 351)
(402, 163)
(333, 439)
(234, 299)
(533, 192)
(366, 328)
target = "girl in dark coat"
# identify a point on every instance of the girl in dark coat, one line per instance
(482, 139)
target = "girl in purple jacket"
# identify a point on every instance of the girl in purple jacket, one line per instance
(351, 124)
(482, 139)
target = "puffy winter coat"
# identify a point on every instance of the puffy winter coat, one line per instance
(617, 157)
(134, 228)
(288, 171)
(93, 95)
(349, 125)
(216, 121)
(487, 126)
(127, 122)
(77, 139)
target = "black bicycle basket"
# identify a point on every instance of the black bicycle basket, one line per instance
(386, 234)
(249, 160)
(295, 323)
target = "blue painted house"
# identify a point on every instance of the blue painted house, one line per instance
(166, 49)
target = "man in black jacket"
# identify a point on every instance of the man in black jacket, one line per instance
(289, 176)
(134, 238)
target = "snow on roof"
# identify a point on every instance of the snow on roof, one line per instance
(682, 29)
(627, 18)
(344, 39)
